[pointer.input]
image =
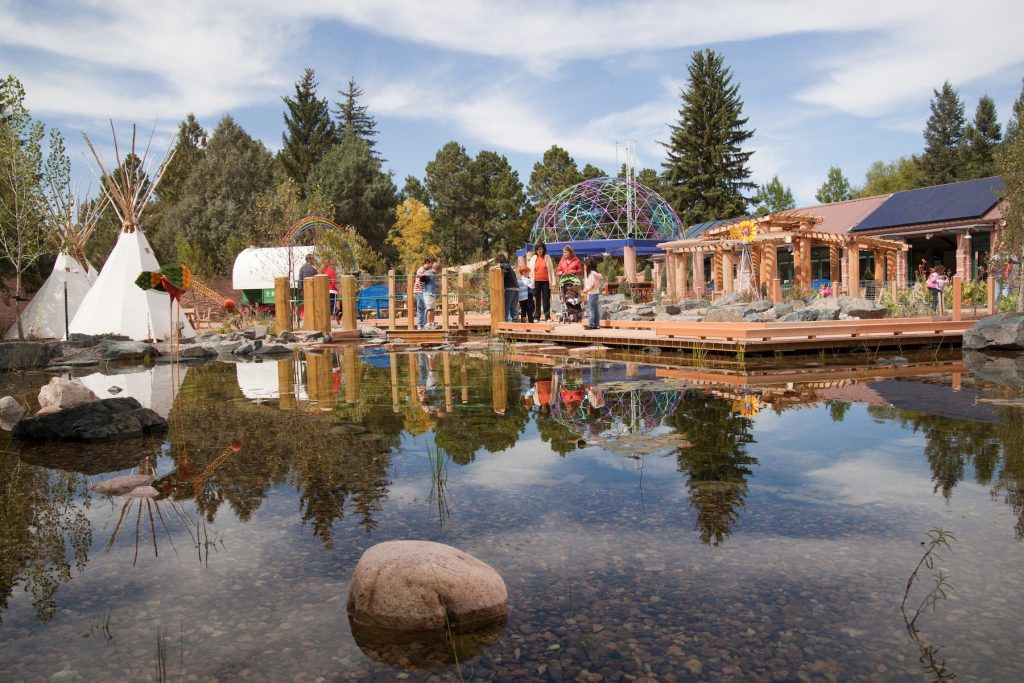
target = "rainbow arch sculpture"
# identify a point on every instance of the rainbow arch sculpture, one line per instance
(307, 223)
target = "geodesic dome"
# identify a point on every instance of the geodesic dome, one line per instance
(603, 215)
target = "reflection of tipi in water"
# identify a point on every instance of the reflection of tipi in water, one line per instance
(155, 387)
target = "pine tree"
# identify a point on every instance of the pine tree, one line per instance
(309, 132)
(1016, 117)
(706, 170)
(500, 203)
(773, 197)
(943, 135)
(836, 187)
(590, 171)
(449, 179)
(354, 120)
(415, 189)
(981, 138)
(189, 150)
(555, 172)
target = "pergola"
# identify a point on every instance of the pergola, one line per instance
(790, 229)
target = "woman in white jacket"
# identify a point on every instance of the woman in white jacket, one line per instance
(542, 272)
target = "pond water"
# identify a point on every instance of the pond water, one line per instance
(651, 521)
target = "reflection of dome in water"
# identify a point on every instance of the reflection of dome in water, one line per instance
(600, 209)
(627, 412)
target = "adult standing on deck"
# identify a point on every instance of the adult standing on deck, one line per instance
(511, 285)
(542, 269)
(419, 280)
(332, 285)
(307, 270)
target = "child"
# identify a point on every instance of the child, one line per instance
(592, 290)
(525, 294)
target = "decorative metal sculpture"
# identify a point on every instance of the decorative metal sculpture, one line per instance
(606, 209)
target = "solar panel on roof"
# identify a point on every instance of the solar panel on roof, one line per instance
(956, 201)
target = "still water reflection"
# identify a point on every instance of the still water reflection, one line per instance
(648, 520)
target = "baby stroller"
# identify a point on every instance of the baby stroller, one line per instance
(572, 301)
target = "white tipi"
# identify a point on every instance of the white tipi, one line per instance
(115, 304)
(44, 317)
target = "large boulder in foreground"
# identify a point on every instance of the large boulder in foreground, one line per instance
(413, 587)
(104, 420)
(1003, 331)
(60, 394)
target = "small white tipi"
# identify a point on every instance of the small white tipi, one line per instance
(44, 317)
(115, 305)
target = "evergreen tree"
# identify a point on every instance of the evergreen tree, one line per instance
(981, 138)
(415, 189)
(361, 192)
(1016, 117)
(449, 179)
(943, 135)
(773, 197)
(555, 172)
(590, 171)
(706, 169)
(309, 132)
(354, 120)
(211, 221)
(1010, 165)
(895, 176)
(189, 150)
(501, 203)
(836, 187)
(650, 179)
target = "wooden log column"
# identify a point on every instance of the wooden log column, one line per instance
(853, 264)
(321, 305)
(755, 270)
(716, 270)
(698, 274)
(890, 267)
(353, 369)
(834, 266)
(497, 295)
(682, 260)
(727, 276)
(282, 304)
(444, 301)
(670, 275)
(769, 264)
(901, 269)
(963, 256)
(879, 269)
(461, 300)
(802, 263)
(410, 299)
(307, 302)
(349, 303)
(286, 383)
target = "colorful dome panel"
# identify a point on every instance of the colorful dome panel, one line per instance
(606, 209)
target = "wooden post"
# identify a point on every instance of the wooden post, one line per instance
(391, 300)
(497, 290)
(853, 265)
(307, 304)
(460, 301)
(958, 293)
(834, 268)
(716, 270)
(991, 291)
(349, 302)
(282, 305)
(321, 305)
(499, 386)
(698, 274)
(776, 291)
(802, 263)
(680, 285)
(670, 276)
(410, 300)
(444, 301)
(880, 265)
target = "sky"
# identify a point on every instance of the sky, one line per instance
(823, 83)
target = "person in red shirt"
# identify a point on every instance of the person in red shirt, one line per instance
(569, 264)
(332, 285)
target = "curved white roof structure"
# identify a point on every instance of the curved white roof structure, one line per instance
(116, 305)
(256, 268)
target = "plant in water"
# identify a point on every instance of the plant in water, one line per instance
(439, 482)
(699, 354)
(936, 539)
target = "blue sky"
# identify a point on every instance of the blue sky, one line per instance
(823, 83)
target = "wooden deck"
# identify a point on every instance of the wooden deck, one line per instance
(748, 337)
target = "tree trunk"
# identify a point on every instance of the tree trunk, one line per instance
(17, 305)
